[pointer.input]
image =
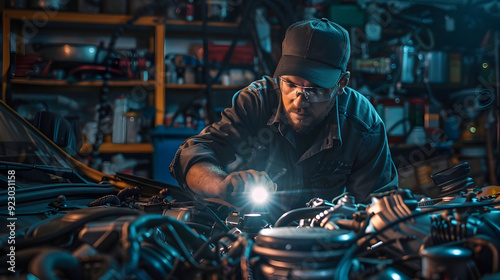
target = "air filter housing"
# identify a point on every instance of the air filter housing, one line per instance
(300, 253)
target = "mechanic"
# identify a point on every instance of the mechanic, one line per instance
(303, 130)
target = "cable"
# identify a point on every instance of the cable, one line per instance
(344, 265)
(131, 232)
(70, 227)
(206, 73)
(241, 29)
(343, 273)
(246, 271)
(50, 261)
(268, 65)
(430, 93)
(389, 242)
(176, 264)
(212, 213)
(180, 243)
(420, 42)
(211, 240)
(402, 121)
(103, 102)
(198, 227)
(210, 81)
(292, 215)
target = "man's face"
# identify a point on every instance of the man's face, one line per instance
(302, 115)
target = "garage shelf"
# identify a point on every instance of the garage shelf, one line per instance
(140, 148)
(156, 28)
(200, 86)
(44, 82)
(75, 17)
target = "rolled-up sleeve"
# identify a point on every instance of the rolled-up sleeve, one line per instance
(218, 142)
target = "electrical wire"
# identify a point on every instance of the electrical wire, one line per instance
(385, 244)
(210, 81)
(295, 214)
(103, 101)
(206, 73)
(131, 235)
(198, 227)
(381, 264)
(183, 249)
(430, 93)
(210, 241)
(245, 264)
(212, 214)
(430, 35)
(403, 122)
(344, 265)
(242, 28)
(174, 268)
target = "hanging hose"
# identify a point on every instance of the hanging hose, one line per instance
(277, 6)
(45, 265)
(104, 107)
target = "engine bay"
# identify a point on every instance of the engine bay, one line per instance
(396, 236)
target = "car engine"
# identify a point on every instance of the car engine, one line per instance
(396, 236)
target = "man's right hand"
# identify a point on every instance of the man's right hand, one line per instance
(210, 180)
(237, 185)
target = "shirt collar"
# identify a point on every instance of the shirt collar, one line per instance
(275, 117)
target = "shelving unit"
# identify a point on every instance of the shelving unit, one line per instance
(161, 29)
(142, 148)
(199, 86)
(43, 17)
(57, 83)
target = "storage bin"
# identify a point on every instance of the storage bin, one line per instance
(166, 141)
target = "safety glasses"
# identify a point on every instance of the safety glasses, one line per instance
(312, 94)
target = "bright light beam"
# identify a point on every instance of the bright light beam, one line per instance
(259, 195)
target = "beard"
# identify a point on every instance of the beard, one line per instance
(302, 127)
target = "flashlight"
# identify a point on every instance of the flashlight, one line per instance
(259, 194)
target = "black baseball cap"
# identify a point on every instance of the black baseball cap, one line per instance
(316, 50)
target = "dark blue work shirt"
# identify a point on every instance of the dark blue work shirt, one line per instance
(351, 152)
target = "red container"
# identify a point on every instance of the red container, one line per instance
(24, 64)
(243, 54)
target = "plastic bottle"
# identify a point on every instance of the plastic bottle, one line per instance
(119, 122)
